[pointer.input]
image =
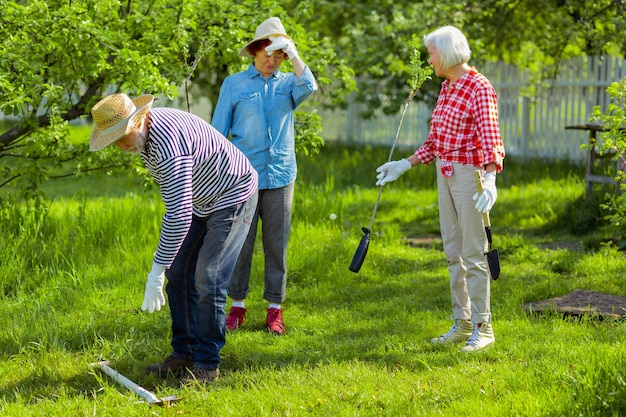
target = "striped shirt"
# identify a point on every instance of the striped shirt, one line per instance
(464, 128)
(198, 171)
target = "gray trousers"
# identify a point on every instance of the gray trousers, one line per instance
(274, 210)
(464, 244)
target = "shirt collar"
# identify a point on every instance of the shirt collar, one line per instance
(253, 72)
(461, 81)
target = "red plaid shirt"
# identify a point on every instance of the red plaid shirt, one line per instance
(464, 128)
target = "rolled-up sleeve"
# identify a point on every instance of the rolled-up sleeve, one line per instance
(305, 85)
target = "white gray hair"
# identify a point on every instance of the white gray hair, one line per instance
(451, 45)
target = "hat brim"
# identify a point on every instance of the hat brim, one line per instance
(100, 140)
(244, 51)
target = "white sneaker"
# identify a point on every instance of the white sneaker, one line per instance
(481, 338)
(460, 332)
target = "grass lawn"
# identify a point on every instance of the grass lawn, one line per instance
(72, 275)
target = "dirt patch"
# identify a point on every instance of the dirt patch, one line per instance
(572, 245)
(583, 302)
(424, 241)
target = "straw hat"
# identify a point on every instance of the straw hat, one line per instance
(114, 116)
(271, 27)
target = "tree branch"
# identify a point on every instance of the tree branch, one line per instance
(74, 112)
(71, 174)
(9, 180)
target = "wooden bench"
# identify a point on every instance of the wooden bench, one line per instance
(592, 156)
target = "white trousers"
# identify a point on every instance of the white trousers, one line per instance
(464, 244)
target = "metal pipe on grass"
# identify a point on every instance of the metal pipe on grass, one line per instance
(122, 380)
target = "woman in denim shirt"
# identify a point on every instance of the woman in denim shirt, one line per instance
(256, 109)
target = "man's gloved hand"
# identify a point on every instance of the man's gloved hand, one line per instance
(281, 42)
(153, 298)
(488, 197)
(391, 171)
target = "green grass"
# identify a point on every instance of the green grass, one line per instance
(72, 274)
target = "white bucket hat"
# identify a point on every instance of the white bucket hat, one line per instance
(271, 27)
(114, 116)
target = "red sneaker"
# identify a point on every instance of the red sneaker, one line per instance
(274, 321)
(235, 318)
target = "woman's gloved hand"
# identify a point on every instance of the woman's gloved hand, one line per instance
(486, 199)
(281, 42)
(391, 171)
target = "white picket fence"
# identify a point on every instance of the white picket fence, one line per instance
(533, 116)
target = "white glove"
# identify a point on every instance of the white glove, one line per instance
(391, 171)
(153, 298)
(488, 197)
(281, 42)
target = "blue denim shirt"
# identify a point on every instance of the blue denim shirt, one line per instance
(258, 113)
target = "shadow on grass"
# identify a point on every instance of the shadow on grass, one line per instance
(385, 314)
(45, 384)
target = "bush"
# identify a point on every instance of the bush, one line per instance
(614, 141)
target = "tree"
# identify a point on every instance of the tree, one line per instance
(535, 35)
(374, 39)
(58, 58)
(540, 35)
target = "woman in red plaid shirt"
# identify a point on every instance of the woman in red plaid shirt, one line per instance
(464, 136)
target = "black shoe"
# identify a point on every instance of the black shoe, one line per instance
(170, 366)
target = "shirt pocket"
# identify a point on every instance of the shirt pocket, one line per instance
(249, 104)
(459, 124)
(283, 100)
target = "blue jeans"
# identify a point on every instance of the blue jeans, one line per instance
(198, 279)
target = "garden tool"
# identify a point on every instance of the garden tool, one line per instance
(361, 251)
(493, 257)
(140, 391)
(419, 76)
